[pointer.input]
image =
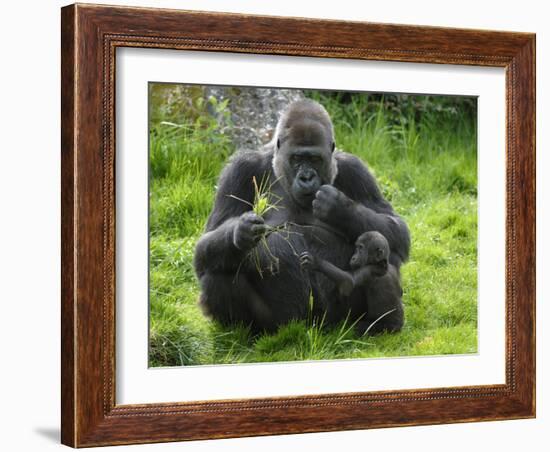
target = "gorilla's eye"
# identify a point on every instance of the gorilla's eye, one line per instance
(316, 159)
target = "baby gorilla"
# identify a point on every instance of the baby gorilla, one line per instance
(380, 307)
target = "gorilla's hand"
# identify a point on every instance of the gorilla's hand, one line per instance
(308, 261)
(249, 230)
(331, 205)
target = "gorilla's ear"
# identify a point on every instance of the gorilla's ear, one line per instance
(333, 147)
(278, 143)
(379, 253)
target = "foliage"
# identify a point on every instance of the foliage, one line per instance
(422, 150)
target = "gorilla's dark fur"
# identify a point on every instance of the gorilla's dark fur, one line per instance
(377, 304)
(325, 199)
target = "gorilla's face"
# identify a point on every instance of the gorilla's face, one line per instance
(370, 248)
(360, 257)
(304, 156)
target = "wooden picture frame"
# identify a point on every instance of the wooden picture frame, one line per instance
(90, 36)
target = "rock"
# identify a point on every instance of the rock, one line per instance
(253, 112)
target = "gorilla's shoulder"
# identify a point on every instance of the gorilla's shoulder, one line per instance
(349, 162)
(250, 161)
(354, 177)
(241, 167)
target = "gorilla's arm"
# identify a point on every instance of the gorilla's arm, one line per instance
(364, 274)
(232, 229)
(354, 204)
(346, 281)
(343, 279)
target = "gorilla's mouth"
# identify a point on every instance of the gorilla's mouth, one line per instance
(305, 197)
(307, 194)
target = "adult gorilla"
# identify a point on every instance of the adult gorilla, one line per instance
(248, 266)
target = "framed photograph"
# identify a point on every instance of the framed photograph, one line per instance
(280, 225)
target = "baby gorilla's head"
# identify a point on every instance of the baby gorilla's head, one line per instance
(370, 248)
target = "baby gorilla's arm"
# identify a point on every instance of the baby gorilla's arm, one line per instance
(362, 275)
(341, 278)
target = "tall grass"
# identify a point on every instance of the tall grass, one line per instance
(422, 150)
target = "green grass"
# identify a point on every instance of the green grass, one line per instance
(423, 152)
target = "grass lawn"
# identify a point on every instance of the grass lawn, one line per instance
(423, 152)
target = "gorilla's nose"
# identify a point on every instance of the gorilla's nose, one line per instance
(307, 179)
